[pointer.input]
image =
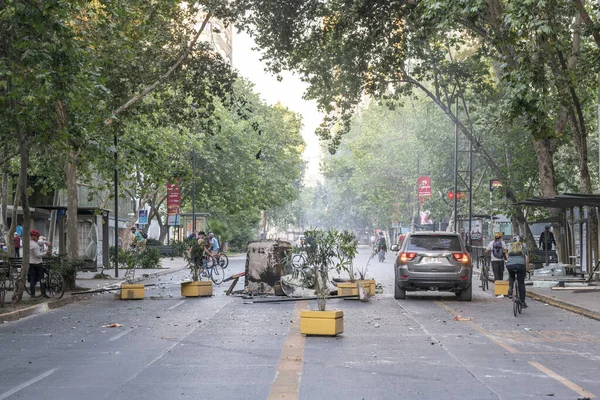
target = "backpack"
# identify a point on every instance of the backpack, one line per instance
(498, 250)
(516, 249)
(144, 234)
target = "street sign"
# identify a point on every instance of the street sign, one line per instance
(424, 187)
(143, 217)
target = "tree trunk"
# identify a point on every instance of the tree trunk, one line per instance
(21, 194)
(72, 203)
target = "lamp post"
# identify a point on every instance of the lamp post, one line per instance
(116, 182)
(194, 191)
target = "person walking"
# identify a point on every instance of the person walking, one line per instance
(517, 264)
(547, 239)
(497, 248)
(381, 247)
(17, 244)
(36, 264)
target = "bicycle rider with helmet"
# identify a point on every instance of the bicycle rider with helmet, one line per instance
(517, 264)
(497, 248)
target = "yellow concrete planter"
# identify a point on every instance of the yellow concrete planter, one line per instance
(132, 291)
(347, 289)
(196, 289)
(321, 323)
(351, 288)
(369, 285)
(500, 288)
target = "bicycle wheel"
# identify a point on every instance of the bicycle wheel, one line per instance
(56, 285)
(217, 274)
(516, 301)
(223, 260)
(483, 281)
(298, 260)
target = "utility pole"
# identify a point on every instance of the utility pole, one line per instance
(193, 191)
(116, 216)
(456, 170)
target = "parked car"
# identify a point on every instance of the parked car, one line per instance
(433, 261)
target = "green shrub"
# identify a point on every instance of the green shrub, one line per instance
(153, 242)
(148, 258)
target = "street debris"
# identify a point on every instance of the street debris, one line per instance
(112, 326)
(459, 318)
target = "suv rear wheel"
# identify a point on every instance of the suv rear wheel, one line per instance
(466, 294)
(399, 293)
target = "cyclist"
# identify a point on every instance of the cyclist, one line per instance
(137, 240)
(517, 264)
(36, 266)
(214, 248)
(497, 248)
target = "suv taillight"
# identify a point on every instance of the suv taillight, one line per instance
(461, 257)
(406, 257)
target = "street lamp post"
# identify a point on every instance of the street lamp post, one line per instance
(116, 182)
(193, 191)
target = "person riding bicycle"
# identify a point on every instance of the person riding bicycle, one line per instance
(214, 248)
(36, 265)
(137, 240)
(517, 264)
(497, 248)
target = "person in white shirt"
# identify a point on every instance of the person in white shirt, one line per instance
(36, 264)
(498, 250)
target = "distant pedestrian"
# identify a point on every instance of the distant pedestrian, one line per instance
(381, 247)
(401, 237)
(547, 239)
(36, 265)
(497, 249)
(17, 245)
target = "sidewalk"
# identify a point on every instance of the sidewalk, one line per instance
(584, 302)
(84, 281)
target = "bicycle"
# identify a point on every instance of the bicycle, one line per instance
(214, 271)
(484, 274)
(517, 304)
(222, 259)
(55, 284)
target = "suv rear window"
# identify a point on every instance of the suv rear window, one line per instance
(431, 243)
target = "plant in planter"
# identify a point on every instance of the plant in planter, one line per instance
(196, 288)
(328, 251)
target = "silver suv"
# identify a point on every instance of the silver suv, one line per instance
(433, 261)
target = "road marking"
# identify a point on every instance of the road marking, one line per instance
(120, 335)
(571, 385)
(479, 329)
(177, 305)
(289, 370)
(28, 383)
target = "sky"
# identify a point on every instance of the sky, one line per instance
(288, 92)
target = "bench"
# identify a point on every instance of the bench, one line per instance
(164, 250)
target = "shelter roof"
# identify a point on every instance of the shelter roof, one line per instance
(566, 200)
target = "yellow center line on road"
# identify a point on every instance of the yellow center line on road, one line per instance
(289, 370)
(479, 329)
(571, 385)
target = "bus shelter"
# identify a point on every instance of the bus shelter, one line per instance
(574, 237)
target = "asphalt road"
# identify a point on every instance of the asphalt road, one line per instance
(429, 346)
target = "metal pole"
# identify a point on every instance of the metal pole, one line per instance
(418, 198)
(116, 216)
(456, 171)
(194, 191)
(471, 191)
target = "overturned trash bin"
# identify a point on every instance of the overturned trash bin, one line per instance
(265, 265)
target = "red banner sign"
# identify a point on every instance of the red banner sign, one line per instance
(173, 199)
(424, 187)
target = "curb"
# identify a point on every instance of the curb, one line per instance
(39, 308)
(564, 305)
(50, 305)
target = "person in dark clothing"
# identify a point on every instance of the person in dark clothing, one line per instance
(381, 247)
(517, 264)
(547, 239)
